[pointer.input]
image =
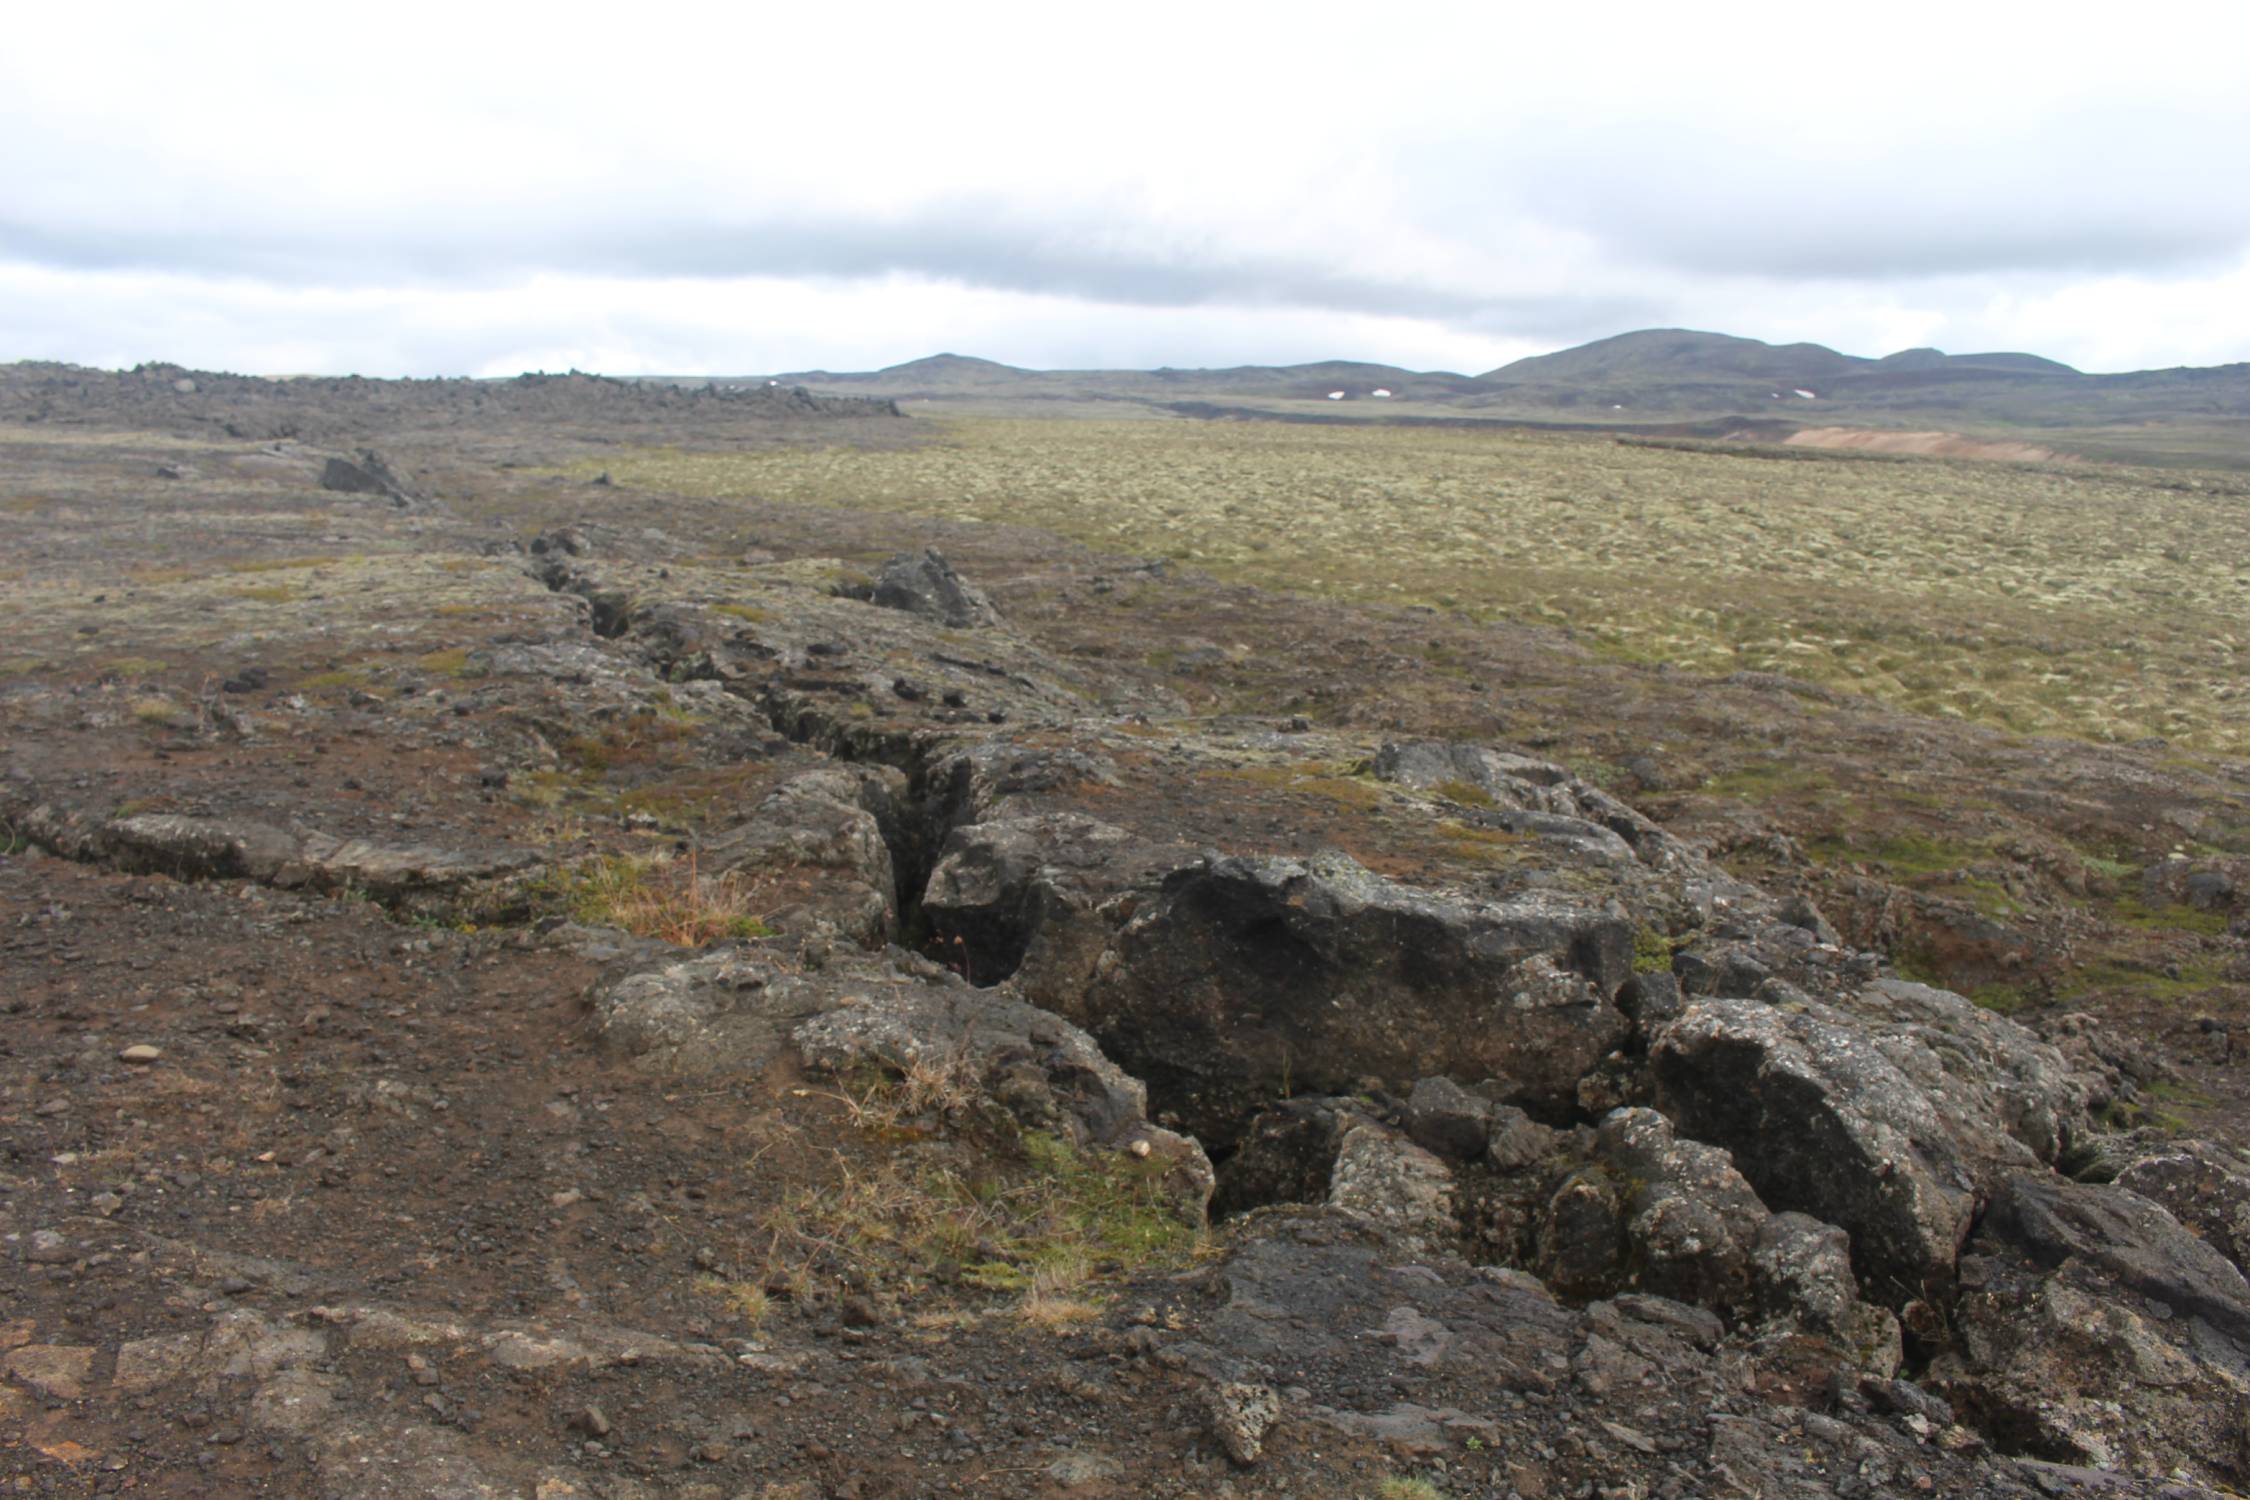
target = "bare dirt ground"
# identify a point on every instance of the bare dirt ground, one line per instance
(319, 1176)
(1926, 444)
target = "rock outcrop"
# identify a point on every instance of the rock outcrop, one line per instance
(2094, 1329)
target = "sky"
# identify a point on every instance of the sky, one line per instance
(485, 189)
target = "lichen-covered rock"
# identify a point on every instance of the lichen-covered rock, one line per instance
(1523, 795)
(1967, 1056)
(1385, 1180)
(976, 781)
(1801, 1270)
(1516, 1140)
(235, 848)
(368, 473)
(737, 1013)
(2203, 1185)
(1240, 1413)
(2093, 1328)
(721, 1012)
(1822, 1120)
(1434, 1359)
(817, 843)
(1893, 1112)
(1690, 1220)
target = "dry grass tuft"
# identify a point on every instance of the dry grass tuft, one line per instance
(1051, 1301)
(660, 898)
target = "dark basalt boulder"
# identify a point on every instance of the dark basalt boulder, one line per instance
(368, 474)
(924, 583)
(1029, 893)
(1243, 979)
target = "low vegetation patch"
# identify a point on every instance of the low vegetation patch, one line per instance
(280, 564)
(450, 663)
(659, 897)
(2105, 603)
(1341, 785)
(964, 1199)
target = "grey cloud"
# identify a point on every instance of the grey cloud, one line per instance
(975, 244)
(1883, 241)
(1982, 196)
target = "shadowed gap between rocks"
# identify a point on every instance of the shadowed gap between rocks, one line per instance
(913, 828)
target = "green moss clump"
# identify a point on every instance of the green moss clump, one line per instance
(1652, 951)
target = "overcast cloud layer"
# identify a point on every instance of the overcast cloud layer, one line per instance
(423, 191)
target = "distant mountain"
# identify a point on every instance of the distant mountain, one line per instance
(1673, 353)
(1660, 380)
(955, 376)
(937, 372)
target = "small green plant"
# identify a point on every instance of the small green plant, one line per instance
(2001, 999)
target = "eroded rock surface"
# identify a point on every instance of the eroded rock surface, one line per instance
(2096, 1330)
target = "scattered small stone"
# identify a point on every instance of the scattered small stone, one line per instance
(1077, 1470)
(48, 1247)
(57, 1371)
(140, 1054)
(592, 1421)
(1240, 1414)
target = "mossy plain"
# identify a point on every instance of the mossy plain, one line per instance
(2096, 602)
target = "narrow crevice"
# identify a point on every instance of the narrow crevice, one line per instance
(913, 828)
(610, 610)
(1282, 1154)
